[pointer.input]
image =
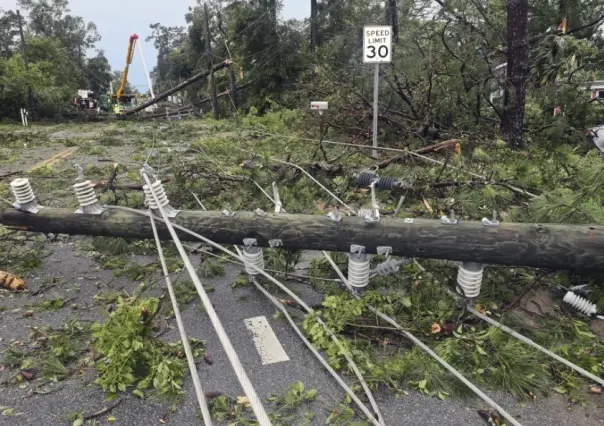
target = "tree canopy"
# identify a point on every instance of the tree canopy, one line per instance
(57, 46)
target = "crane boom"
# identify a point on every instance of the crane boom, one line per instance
(129, 56)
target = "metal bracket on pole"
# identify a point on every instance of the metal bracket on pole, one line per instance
(275, 243)
(449, 220)
(278, 205)
(384, 251)
(494, 223)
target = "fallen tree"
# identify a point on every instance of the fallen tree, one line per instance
(549, 246)
(177, 88)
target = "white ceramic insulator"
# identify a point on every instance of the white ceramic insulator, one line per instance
(253, 256)
(469, 279)
(364, 213)
(158, 188)
(84, 192)
(580, 303)
(22, 191)
(358, 270)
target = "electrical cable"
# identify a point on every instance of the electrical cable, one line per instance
(201, 399)
(520, 337)
(414, 154)
(529, 342)
(266, 275)
(314, 351)
(425, 348)
(245, 382)
(307, 174)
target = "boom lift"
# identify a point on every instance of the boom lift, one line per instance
(123, 101)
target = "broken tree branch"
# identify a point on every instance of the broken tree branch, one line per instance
(432, 148)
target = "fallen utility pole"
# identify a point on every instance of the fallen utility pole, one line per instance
(549, 246)
(181, 86)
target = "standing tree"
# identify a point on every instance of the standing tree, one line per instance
(512, 123)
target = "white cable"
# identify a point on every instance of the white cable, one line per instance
(307, 174)
(316, 353)
(536, 346)
(287, 274)
(248, 389)
(423, 157)
(425, 348)
(522, 338)
(267, 276)
(201, 399)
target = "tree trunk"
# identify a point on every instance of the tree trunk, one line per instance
(549, 246)
(30, 95)
(208, 44)
(314, 36)
(512, 123)
(393, 15)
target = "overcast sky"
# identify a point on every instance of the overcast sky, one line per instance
(116, 20)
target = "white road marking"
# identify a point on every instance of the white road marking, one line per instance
(266, 341)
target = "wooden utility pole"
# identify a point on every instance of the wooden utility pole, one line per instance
(181, 86)
(206, 21)
(512, 122)
(314, 34)
(30, 96)
(550, 246)
(233, 81)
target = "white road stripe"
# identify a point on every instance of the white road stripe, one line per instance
(266, 340)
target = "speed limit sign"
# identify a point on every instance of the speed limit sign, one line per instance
(377, 44)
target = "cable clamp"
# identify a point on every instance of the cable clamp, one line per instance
(334, 216)
(449, 220)
(493, 223)
(278, 205)
(275, 243)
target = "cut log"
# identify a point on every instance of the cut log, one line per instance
(549, 246)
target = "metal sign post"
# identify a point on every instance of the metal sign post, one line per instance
(377, 49)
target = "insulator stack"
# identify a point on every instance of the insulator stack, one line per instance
(469, 279)
(22, 191)
(386, 182)
(158, 189)
(579, 303)
(366, 178)
(84, 192)
(364, 212)
(358, 270)
(253, 256)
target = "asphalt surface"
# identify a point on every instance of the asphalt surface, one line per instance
(81, 279)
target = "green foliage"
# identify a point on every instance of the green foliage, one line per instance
(284, 409)
(57, 43)
(131, 356)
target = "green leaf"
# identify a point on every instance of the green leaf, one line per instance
(422, 384)
(138, 393)
(78, 422)
(406, 301)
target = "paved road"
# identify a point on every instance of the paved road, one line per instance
(82, 277)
